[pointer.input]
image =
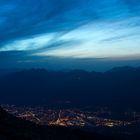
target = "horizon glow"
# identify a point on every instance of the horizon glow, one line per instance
(81, 29)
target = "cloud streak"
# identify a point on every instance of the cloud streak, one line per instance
(72, 28)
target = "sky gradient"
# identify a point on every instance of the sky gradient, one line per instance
(68, 34)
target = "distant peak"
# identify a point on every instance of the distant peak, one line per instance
(125, 68)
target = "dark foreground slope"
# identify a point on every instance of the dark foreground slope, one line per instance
(12, 128)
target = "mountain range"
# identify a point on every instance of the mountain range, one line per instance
(118, 87)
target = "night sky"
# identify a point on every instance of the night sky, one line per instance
(69, 34)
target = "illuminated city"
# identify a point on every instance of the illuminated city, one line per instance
(73, 117)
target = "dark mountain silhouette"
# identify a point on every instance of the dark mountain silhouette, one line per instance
(117, 88)
(12, 128)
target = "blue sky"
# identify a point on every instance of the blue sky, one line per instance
(52, 33)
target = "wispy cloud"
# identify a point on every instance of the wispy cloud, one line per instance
(69, 28)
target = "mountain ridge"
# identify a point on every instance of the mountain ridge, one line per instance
(118, 86)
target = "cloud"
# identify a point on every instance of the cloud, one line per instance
(69, 28)
(99, 40)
